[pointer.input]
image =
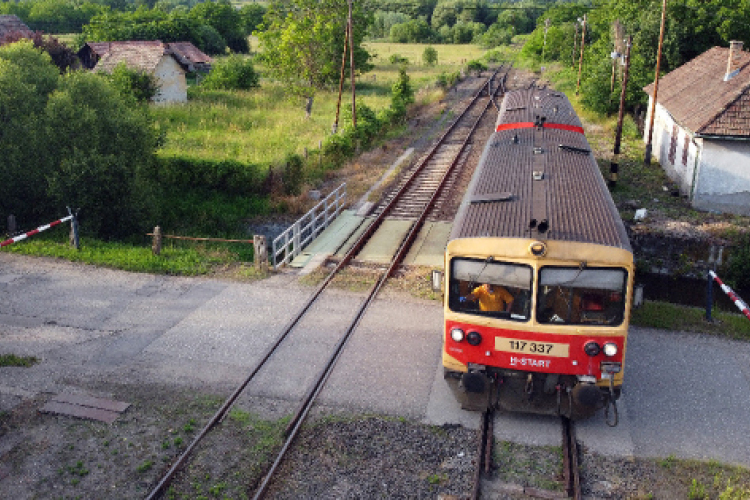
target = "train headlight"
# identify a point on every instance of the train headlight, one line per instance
(474, 338)
(591, 348)
(538, 249)
(457, 334)
(610, 349)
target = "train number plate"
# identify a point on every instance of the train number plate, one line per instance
(535, 348)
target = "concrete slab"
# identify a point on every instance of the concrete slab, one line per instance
(331, 239)
(429, 247)
(92, 402)
(600, 438)
(80, 412)
(386, 241)
(349, 243)
(443, 408)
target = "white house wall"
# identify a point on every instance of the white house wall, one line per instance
(680, 167)
(172, 83)
(723, 181)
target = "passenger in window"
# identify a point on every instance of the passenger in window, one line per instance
(491, 298)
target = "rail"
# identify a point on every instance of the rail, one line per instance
(290, 243)
(741, 305)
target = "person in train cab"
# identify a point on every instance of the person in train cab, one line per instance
(491, 297)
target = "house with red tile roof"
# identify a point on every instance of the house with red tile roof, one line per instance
(153, 58)
(190, 57)
(12, 24)
(701, 134)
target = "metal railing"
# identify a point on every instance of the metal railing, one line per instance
(290, 243)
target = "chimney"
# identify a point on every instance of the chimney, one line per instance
(733, 63)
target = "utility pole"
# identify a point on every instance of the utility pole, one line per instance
(351, 65)
(649, 145)
(575, 44)
(580, 61)
(544, 45)
(341, 78)
(618, 133)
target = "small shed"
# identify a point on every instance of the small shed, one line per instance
(154, 59)
(701, 133)
(12, 24)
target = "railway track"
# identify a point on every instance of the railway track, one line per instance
(570, 463)
(415, 198)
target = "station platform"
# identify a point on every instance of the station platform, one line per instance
(340, 236)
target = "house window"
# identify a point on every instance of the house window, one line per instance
(673, 144)
(685, 149)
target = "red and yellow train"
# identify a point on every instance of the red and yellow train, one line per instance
(539, 271)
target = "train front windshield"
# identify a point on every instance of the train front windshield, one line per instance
(584, 296)
(490, 288)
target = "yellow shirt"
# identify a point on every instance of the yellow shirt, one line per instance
(492, 301)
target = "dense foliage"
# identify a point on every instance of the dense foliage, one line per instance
(233, 72)
(71, 140)
(302, 43)
(692, 27)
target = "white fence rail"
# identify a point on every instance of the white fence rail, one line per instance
(290, 243)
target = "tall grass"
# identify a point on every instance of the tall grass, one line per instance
(264, 125)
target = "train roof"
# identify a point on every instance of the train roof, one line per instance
(539, 166)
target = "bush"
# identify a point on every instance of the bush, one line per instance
(226, 176)
(232, 73)
(398, 59)
(134, 83)
(476, 66)
(430, 56)
(292, 174)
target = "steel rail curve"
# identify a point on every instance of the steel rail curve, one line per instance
(356, 248)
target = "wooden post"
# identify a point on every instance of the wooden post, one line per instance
(12, 226)
(156, 246)
(261, 252)
(74, 239)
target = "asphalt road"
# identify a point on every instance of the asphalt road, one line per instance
(686, 395)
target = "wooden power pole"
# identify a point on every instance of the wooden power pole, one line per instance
(580, 61)
(351, 66)
(649, 145)
(620, 115)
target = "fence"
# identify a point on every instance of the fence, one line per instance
(741, 305)
(290, 243)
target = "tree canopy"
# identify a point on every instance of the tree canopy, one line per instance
(302, 43)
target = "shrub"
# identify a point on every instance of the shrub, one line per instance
(232, 73)
(130, 82)
(292, 175)
(398, 59)
(476, 66)
(430, 56)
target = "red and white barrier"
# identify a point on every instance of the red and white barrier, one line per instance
(741, 305)
(35, 231)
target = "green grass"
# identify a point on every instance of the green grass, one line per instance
(176, 258)
(20, 361)
(691, 319)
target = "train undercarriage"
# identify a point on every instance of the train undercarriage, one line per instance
(577, 398)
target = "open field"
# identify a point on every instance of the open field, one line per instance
(264, 125)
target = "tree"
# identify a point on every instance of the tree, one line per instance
(303, 40)
(27, 77)
(101, 143)
(430, 56)
(223, 17)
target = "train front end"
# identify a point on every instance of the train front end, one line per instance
(556, 343)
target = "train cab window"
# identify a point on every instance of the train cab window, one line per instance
(582, 296)
(490, 288)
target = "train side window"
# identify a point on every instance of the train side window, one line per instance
(490, 288)
(582, 296)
